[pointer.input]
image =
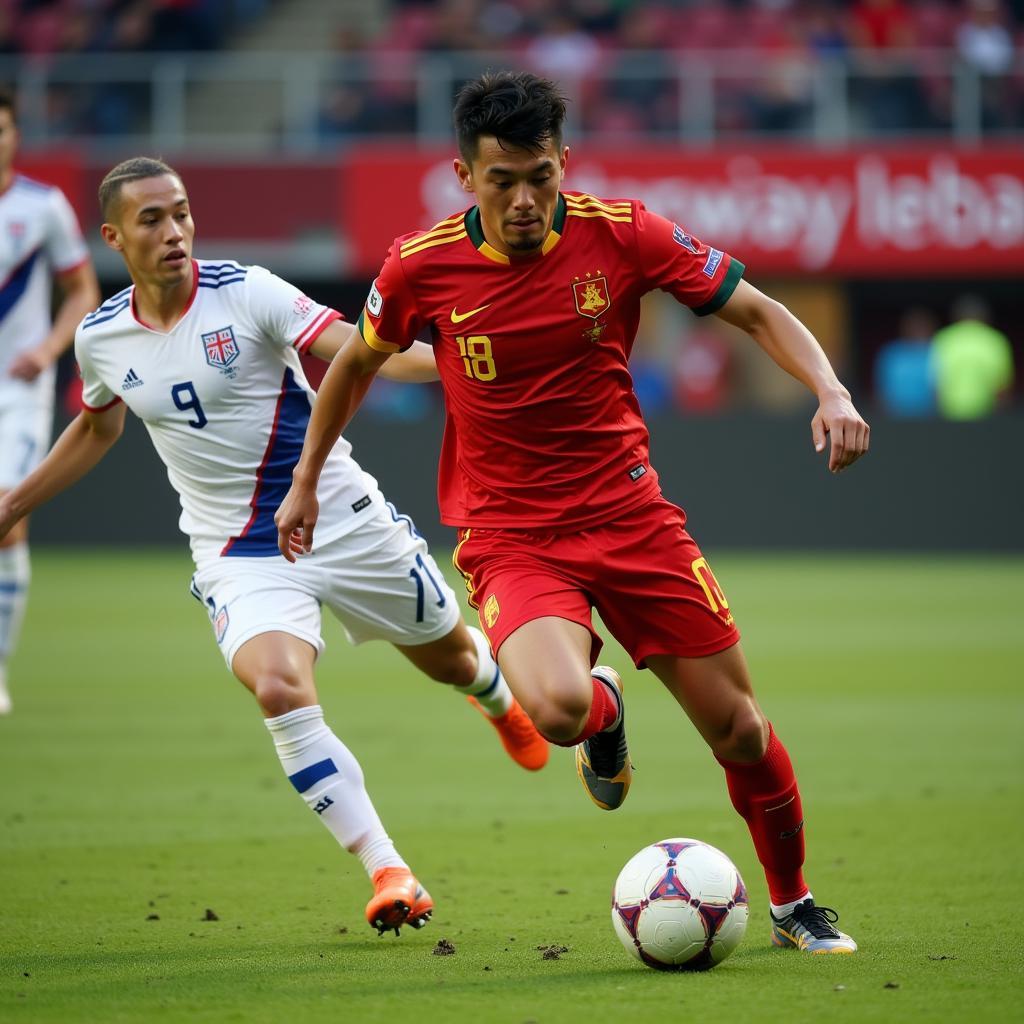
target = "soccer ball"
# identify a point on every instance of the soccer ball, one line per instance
(680, 905)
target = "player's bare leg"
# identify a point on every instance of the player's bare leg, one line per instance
(277, 668)
(717, 695)
(463, 660)
(547, 664)
(14, 579)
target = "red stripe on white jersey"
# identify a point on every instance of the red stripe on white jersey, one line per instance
(315, 329)
(101, 408)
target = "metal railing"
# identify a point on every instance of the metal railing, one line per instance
(307, 103)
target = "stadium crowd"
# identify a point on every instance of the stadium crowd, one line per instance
(623, 58)
(48, 28)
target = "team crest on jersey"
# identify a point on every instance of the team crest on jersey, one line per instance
(221, 348)
(491, 611)
(591, 295)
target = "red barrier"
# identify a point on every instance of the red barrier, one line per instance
(894, 212)
(62, 168)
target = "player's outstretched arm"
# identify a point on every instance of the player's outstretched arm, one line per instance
(797, 351)
(416, 365)
(81, 296)
(342, 389)
(84, 442)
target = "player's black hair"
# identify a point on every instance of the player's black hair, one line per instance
(8, 102)
(516, 107)
(135, 169)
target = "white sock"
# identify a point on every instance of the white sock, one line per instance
(376, 852)
(787, 908)
(15, 572)
(328, 777)
(489, 687)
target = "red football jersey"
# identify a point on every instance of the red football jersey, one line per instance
(543, 429)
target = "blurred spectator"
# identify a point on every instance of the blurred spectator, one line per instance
(394, 401)
(982, 39)
(501, 21)
(973, 363)
(826, 29)
(80, 28)
(702, 371)
(601, 17)
(641, 93)
(780, 101)
(886, 82)
(882, 25)
(459, 25)
(119, 108)
(563, 50)
(343, 113)
(985, 44)
(188, 24)
(904, 378)
(8, 42)
(650, 370)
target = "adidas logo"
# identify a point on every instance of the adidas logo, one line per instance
(131, 380)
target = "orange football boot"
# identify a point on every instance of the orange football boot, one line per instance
(397, 899)
(519, 736)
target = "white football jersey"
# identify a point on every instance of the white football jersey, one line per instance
(39, 236)
(226, 403)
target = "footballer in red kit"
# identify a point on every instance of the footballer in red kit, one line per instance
(532, 300)
(543, 426)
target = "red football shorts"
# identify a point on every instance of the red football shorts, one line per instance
(643, 573)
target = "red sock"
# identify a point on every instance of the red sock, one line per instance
(766, 796)
(604, 709)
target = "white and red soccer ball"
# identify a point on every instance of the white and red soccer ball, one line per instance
(680, 905)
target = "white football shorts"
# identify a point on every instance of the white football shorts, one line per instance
(379, 580)
(26, 422)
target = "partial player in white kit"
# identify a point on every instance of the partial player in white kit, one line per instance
(39, 240)
(206, 354)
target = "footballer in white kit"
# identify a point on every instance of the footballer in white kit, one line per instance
(206, 354)
(225, 400)
(40, 241)
(39, 237)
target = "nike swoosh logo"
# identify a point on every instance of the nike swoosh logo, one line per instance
(457, 317)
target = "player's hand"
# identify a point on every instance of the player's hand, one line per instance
(28, 365)
(845, 427)
(295, 519)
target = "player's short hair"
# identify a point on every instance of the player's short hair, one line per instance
(135, 169)
(8, 102)
(517, 108)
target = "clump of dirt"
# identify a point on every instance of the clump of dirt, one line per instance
(552, 952)
(210, 915)
(443, 948)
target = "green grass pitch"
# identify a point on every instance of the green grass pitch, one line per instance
(138, 789)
